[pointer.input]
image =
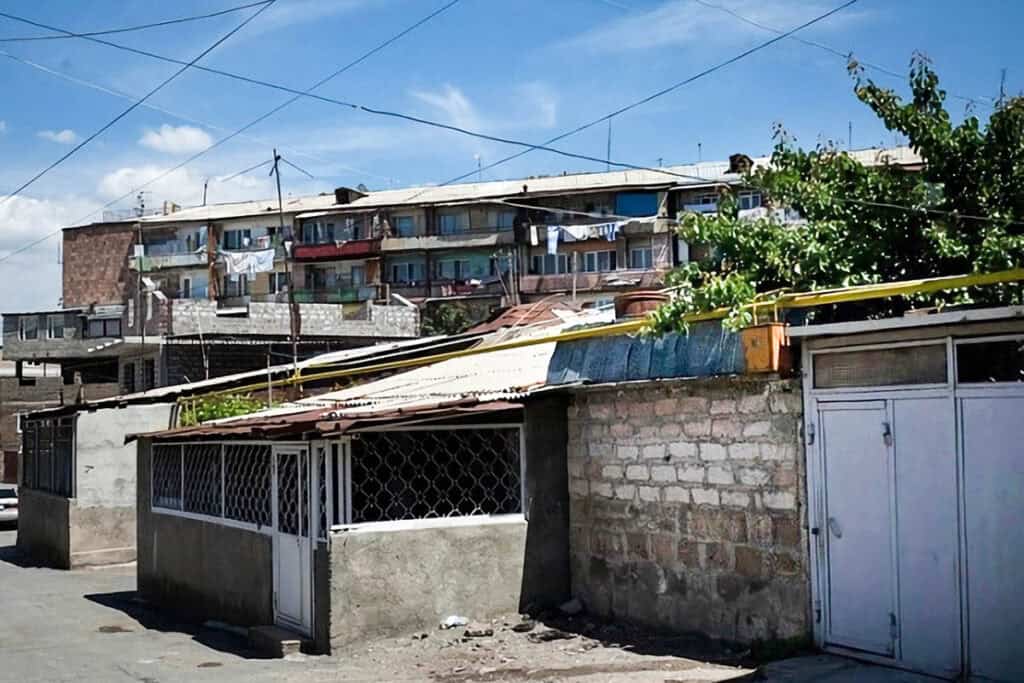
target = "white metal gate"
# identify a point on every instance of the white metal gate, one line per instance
(293, 545)
(916, 492)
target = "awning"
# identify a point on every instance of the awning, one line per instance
(325, 422)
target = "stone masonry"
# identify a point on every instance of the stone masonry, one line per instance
(686, 506)
(197, 316)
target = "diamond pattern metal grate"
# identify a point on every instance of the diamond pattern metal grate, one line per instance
(436, 473)
(247, 491)
(167, 477)
(202, 463)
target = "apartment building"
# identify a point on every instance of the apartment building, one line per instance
(211, 290)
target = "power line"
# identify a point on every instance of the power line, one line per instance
(135, 105)
(139, 27)
(183, 117)
(244, 171)
(662, 92)
(244, 128)
(821, 46)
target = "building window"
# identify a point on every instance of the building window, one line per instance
(28, 328)
(402, 475)
(236, 285)
(410, 272)
(749, 200)
(640, 258)
(149, 380)
(103, 328)
(599, 261)
(450, 223)
(405, 226)
(237, 239)
(453, 269)
(636, 204)
(549, 264)
(278, 283)
(48, 456)
(317, 233)
(358, 275)
(220, 481)
(129, 378)
(55, 327)
(186, 288)
(501, 220)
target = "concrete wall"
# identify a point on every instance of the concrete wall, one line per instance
(391, 582)
(687, 506)
(43, 528)
(102, 514)
(195, 316)
(200, 569)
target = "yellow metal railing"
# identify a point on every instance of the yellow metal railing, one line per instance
(782, 301)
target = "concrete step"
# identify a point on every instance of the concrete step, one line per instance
(274, 641)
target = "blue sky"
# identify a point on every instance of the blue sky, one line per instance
(527, 69)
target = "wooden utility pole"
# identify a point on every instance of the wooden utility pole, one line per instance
(294, 316)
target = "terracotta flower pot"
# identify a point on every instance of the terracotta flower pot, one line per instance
(638, 304)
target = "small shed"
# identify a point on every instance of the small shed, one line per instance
(379, 509)
(78, 478)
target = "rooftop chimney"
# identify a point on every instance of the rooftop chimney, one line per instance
(346, 195)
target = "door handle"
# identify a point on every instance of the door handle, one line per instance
(834, 527)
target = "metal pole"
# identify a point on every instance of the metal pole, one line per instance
(574, 255)
(270, 381)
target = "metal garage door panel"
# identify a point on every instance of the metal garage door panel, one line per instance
(993, 443)
(858, 528)
(924, 452)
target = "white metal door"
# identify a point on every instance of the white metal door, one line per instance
(992, 426)
(293, 595)
(858, 527)
(927, 538)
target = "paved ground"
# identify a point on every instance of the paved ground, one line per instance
(86, 626)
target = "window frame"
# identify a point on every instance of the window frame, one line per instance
(238, 236)
(23, 334)
(648, 259)
(409, 222)
(50, 319)
(106, 325)
(593, 258)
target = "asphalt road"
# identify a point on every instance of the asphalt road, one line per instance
(85, 626)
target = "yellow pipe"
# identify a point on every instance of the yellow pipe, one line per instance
(794, 300)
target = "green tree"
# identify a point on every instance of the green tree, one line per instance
(209, 408)
(962, 212)
(446, 319)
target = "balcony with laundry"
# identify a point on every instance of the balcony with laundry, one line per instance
(449, 227)
(327, 236)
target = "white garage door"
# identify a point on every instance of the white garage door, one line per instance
(917, 505)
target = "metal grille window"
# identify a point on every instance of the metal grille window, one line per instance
(201, 483)
(167, 477)
(48, 453)
(247, 484)
(435, 473)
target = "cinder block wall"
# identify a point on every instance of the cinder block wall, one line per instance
(686, 506)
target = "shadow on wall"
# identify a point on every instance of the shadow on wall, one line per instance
(152, 619)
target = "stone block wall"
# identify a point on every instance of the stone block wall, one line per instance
(96, 264)
(198, 316)
(686, 506)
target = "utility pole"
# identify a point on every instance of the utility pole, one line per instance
(700, 153)
(1002, 85)
(205, 184)
(849, 135)
(293, 308)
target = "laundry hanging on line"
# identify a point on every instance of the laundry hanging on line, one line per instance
(249, 262)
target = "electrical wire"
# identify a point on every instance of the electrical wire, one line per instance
(821, 46)
(308, 93)
(140, 27)
(136, 104)
(660, 93)
(243, 172)
(241, 130)
(183, 117)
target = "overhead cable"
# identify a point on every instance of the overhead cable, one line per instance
(139, 27)
(136, 104)
(244, 128)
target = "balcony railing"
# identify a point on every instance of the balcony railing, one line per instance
(337, 250)
(336, 295)
(606, 280)
(159, 261)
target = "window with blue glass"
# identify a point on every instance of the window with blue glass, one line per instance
(639, 204)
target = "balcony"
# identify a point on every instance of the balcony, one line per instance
(336, 295)
(444, 289)
(458, 240)
(332, 251)
(612, 280)
(153, 262)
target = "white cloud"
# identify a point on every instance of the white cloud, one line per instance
(454, 104)
(176, 139)
(539, 102)
(682, 22)
(3, 126)
(64, 137)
